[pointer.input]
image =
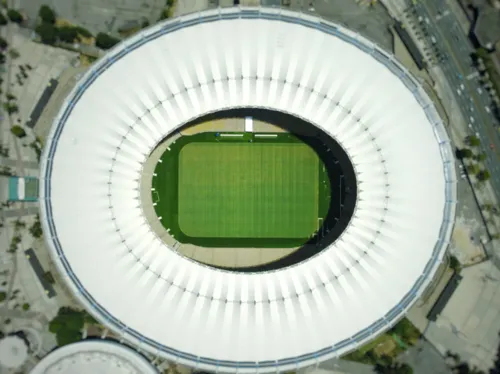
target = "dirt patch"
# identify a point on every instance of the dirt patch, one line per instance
(228, 124)
(385, 348)
(468, 251)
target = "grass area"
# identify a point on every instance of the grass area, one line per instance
(246, 190)
(391, 344)
(241, 192)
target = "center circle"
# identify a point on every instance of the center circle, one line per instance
(248, 190)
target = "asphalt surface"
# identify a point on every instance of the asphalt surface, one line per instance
(443, 25)
(424, 359)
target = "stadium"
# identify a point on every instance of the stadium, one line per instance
(205, 139)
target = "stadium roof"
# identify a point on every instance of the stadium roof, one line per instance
(174, 72)
(94, 356)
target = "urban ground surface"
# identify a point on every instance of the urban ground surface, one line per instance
(467, 325)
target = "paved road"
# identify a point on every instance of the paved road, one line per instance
(16, 163)
(32, 210)
(425, 359)
(443, 25)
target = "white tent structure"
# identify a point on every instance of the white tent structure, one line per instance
(13, 352)
(174, 307)
(94, 356)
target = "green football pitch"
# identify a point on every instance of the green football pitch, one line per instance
(241, 191)
(248, 190)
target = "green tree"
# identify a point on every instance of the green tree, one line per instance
(3, 20)
(18, 131)
(15, 16)
(464, 153)
(47, 15)
(166, 13)
(26, 306)
(170, 3)
(480, 157)
(455, 264)
(473, 169)
(473, 141)
(406, 331)
(49, 277)
(67, 34)
(36, 228)
(13, 53)
(3, 296)
(105, 41)
(483, 175)
(83, 32)
(393, 368)
(47, 32)
(3, 43)
(67, 325)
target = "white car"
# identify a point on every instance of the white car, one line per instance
(479, 91)
(462, 87)
(487, 109)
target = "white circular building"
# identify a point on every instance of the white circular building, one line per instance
(211, 319)
(94, 356)
(13, 352)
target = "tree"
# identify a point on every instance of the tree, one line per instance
(459, 367)
(83, 32)
(483, 175)
(15, 16)
(473, 141)
(67, 325)
(47, 15)
(49, 277)
(406, 331)
(3, 43)
(394, 368)
(67, 34)
(13, 53)
(480, 157)
(26, 306)
(105, 41)
(473, 169)
(3, 20)
(166, 13)
(18, 131)
(170, 3)
(36, 228)
(3, 295)
(47, 32)
(463, 153)
(455, 264)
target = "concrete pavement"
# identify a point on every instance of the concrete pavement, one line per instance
(424, 359)
(469, 325)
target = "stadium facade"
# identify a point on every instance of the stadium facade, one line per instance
(168, 305)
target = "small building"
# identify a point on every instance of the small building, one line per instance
(23, 189)
(13, 352)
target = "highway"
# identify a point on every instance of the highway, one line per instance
(442, 24)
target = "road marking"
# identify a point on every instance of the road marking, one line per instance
(459, 68)
(472, 75)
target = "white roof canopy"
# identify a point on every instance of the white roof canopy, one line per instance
(174, 72)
